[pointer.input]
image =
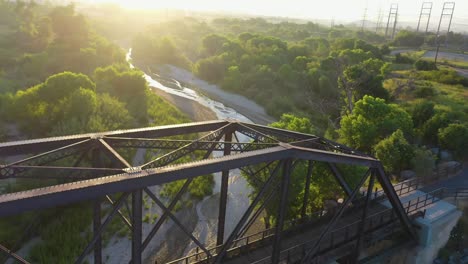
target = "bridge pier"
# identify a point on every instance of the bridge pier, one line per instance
(223, 192)
(96, 226)
(137, 234)
(285, 181)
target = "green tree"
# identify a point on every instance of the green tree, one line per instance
(394, 152)
(294, 123)
(422, 112)
(362, 79)
(371, 121)
(454, 137)
(409, 38)
(423, 162)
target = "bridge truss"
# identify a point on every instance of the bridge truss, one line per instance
(94, 168)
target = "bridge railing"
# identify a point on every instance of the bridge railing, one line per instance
(261, 238)
(341, 237)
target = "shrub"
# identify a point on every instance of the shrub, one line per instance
(403, 59)
(424, 65)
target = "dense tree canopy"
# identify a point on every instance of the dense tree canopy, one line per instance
(371, 121)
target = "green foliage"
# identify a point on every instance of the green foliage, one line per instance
(445, 76)
(423, 162)
(127, 85)
(422, 112)
(371, 121)
(394, 152)
(61, 235)
(403, 59)
(363, 79)
(425, 65)
(294, 123)
(409, 39)
(454, 137)
(148, 49)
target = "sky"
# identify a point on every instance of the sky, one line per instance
(339, 10)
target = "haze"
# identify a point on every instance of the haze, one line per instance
(340, 10)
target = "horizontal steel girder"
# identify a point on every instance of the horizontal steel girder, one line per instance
(44, 144)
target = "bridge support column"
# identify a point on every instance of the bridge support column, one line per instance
(224, 192)
(361, 234)
(281, 211)
(97, 162)
(307, 189)
(96, 226)
(137, 213)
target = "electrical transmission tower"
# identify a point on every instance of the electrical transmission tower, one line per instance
(379, 21)
(392, 16)
(426, 10)
(447, 12)
(364, 17)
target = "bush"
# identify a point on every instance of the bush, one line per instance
(423, 162)
(425, 65)
(403, 59)
(422, 112)
(454, 137)
(425, 91)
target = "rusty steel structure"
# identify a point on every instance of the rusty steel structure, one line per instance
(91, 168)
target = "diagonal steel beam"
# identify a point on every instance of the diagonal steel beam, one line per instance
(113, 154)
(362, 225)
(339, 177)
(122, 216)
(179, 153)
(395, 202)
(254, 134)
(99, 230)
(43, 158)
(310, 254)
(13, 255)
(90, 189)
(171, 206)
(244, 218)
(172, 144)
(176, 221)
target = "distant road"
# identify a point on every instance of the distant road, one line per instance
(431, 54)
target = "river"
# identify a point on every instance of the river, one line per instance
(238, 195)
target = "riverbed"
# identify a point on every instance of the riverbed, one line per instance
(172, 85)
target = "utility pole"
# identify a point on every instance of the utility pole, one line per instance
(379, 21)
(392, 16)
(426, 10)
(447, 11)
(364, 17)
(332, 23)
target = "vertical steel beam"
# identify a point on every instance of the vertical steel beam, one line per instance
(96, 226)
(364, 216)
(137, 234)
(305, 201)
(311, 252)
(97, 162)
(244, 218)
(281, 211)
(224, 192)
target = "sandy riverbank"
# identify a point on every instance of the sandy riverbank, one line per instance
(241, 104)
(194, 110)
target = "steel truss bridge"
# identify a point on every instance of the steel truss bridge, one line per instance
(93, 168)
